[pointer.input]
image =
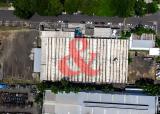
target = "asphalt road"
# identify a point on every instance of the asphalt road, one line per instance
(149, 19)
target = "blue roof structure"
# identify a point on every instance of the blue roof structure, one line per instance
(3, 86)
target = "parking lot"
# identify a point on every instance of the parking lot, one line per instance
(18, 99)
(13, 98)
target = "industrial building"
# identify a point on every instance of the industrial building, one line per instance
(104, 53)
(111, 55)
(98, 103)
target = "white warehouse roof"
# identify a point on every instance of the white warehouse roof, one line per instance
(111, 58)
(98, 103)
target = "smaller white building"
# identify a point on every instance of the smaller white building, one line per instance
(154, 51)
(143, 42)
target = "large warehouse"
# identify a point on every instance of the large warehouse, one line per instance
(102, 59)
(99, 103)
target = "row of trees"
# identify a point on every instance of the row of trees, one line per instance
(146, 84)
(27, 8)
(67, 87)
(122, 8)
(140, 29)
(142, 8)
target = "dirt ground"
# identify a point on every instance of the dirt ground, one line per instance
(141, 66)
(15, 50)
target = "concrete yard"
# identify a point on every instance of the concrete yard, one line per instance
(15, 52)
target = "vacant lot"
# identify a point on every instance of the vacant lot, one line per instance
(15, 51)
(141, 66)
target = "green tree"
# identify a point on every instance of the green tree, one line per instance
(152, 89)
(41, 87)
(55, 89)
(23, 8)
(55, 7)
(89, 7)
(41, 6)
(71, 6)
(124, 8)
(107, 88)
(39, 98)
(140, 8)
(48, 7)
(125, 34)
(140, 29)
(152, 7)
(105, 8)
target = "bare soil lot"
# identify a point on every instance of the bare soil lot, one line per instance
(15, 49)
(142, 66)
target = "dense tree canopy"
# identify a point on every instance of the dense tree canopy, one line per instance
(54, 8)
(152, 7)
(23, 8)
(121, 8)
(71, 6)
(41, 6)
(67, 87)
(140, 8)
(48, 7)
(152, 89)
(140, 29)
(124, 8)
(89, 6)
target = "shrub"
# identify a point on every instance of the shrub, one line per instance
(144, 81)
(140, 29)
(67, 87)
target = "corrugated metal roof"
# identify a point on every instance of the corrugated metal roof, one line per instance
(100, 103)
(112, 58)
